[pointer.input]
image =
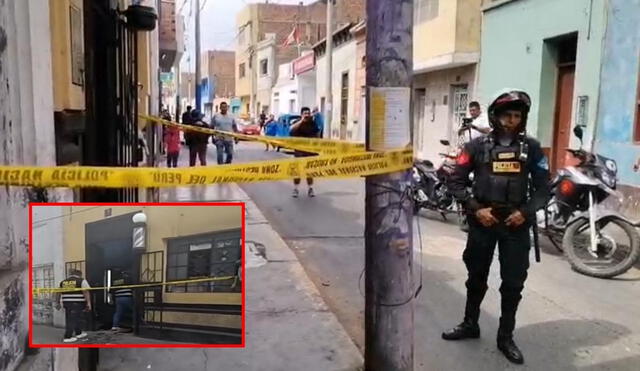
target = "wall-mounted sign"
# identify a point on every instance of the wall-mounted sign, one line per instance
(77, 55)
(303, 64)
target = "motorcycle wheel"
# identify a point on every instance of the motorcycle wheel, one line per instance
(576, 243)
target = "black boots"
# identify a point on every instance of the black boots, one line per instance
(509, 348)
(465, 330)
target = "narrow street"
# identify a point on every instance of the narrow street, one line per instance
(566, 320)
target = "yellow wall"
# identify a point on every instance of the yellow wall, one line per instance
(66, 95)
(243, 85)
(162, 222)
(456, 29)
(469, 26)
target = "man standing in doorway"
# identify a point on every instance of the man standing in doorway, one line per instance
(501, 209)
(75, 304)
(306, 128)
(224, 144)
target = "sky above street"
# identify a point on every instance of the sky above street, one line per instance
(218, 19)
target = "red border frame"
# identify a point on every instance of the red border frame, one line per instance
(243, 290)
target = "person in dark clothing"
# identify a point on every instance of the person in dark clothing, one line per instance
(75, 303)
(186, 116)
(124, 300)
(306, 128)
(510, 184)
(197, 141)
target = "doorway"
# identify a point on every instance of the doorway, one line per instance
(109, 252)
(344, 105)
(565, 49)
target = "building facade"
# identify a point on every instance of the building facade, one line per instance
(617, 130)
(258, 22)
(344, 120)
(296, 86)
(558, 62)
(196, 242)
(446, 51)
(218, 77)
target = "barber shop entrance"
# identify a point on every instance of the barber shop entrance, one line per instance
(109, 253)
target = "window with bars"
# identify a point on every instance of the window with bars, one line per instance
(43, 278)
(460, 96)
(214, 255)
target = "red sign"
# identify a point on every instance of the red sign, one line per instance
(304, 64)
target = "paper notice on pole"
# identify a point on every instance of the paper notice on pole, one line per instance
(390, 118)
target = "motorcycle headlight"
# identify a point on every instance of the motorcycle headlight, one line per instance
(608, 180)
(611, 165)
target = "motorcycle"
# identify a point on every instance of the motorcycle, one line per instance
(430, 189)
(591, 238)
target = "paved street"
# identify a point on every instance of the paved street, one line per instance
(566, 320)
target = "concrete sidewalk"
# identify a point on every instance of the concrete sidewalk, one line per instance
(288, 325)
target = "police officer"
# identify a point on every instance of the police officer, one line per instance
(508, 166)
(123, 298)
(75, 304)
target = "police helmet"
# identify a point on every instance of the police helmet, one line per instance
(510, 99)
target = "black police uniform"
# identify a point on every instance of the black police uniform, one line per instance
(502, 178)
(74, 304)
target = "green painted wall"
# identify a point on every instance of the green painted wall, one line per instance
(514, 54)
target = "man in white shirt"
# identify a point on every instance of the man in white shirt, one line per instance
(477, 125)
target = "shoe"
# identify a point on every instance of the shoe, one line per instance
(82, 335)
(310, 193)
(115, 329)
(72, 339)
(462, 331)
(510, 350)
(295, 193)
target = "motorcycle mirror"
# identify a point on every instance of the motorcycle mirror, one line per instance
(444, 142)
(577, 131)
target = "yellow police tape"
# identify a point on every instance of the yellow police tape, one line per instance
(323, 166)
(50, 290)
(315, 145)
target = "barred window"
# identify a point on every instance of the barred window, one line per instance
(213, 255)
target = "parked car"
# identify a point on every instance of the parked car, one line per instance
(249, 129)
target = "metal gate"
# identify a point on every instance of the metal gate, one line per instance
(111, 137)
(150, 298)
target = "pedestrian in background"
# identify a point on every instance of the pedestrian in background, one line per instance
(270, 128)
(75, 304)
(224, 143)
(305, 128)
(197, 141)
(318, 118)
(186, 116)
(172, 145)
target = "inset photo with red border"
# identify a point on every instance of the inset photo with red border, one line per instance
(147, 275)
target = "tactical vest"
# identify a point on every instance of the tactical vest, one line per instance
(124, 292)
(72, 296)
(502, 176)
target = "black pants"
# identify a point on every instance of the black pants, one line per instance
(172, 159)
(513, 247)
(74, 318)
(199, 150)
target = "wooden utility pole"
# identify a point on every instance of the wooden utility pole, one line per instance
(389, 283)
